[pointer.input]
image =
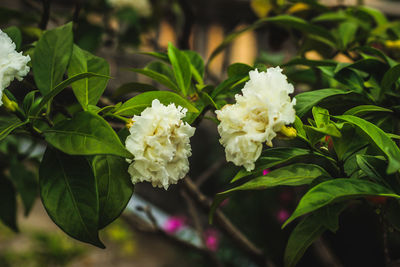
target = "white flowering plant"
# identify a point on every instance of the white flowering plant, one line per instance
(328, 128)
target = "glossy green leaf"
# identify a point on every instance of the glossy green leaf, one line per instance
(291, 175)
(364, 109)
(305, 101)
(26, 184)
(69, 194)
(379, 138)
(114, 186)
(272, 157)
(181, 67)
(137, 104)
(377, 15)
(61, 86)
(8, 204)
(335, 190)
(351, 79)
(197, 65)
(15, 35)
(88, 91)
(85, 134)
(51, 57)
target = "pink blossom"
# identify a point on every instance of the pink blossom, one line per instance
(224, 203)
(211, 239)
(282, 215)
(266, 171)
(174, 224)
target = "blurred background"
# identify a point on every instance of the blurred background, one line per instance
(164, 228)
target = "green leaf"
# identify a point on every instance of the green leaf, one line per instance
(305, 101)
(272, 157)
(88, 91)
(305, 233)
(291, 175)
(351, 79)
(51, 57)
(335, 190)
(114, 186)
(181, 67)
(137, 104)
(133, 87)
(158, 55)
(239, 69)
(364, 109)
(228, 84)
(197, 65)
(26, 184)
(347, 32)
(377, 15)
(374, 167)
(308, 230)
(379, 138)
(69, 194)
(8, 204)
(8, 125)
(61, 86)
(15, 35)
(161, 78)
(310, 63)
(321, 116)
(390, 77)
(298, 125)
(85, 134)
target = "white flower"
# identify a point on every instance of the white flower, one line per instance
(12, 64)
(142, 7)
(263, 109)
(159, 141)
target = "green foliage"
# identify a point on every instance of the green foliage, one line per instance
(51, 57)
(347, 119)
(114, 187)
(85, 134)
(88, 91)
(70, 195)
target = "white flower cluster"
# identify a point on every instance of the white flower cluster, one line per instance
(256, 117)
(159, 141)
(142, 7)
(12, 64)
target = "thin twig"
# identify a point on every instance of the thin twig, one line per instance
(204, 176)
(255, 253)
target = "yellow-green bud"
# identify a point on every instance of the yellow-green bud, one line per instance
(8, 104)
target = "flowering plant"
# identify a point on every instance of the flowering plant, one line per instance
(334, 138)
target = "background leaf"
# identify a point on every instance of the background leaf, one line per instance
(8, 204)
